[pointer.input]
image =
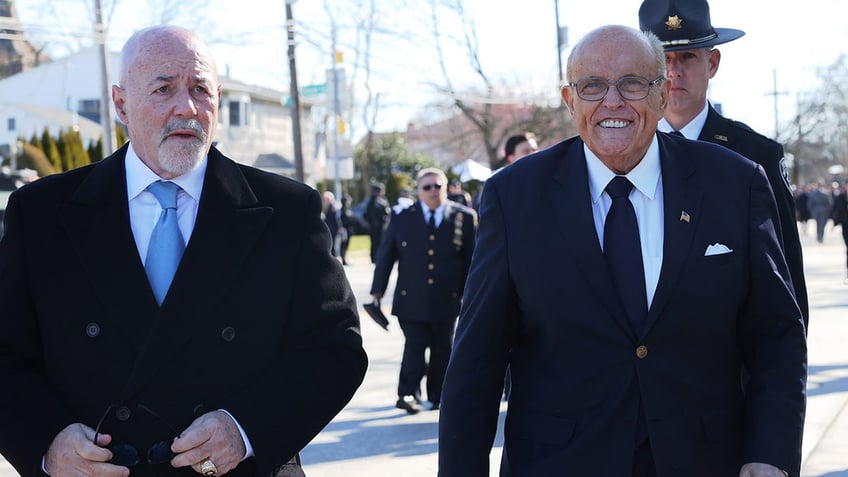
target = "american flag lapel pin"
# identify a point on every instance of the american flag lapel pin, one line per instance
(684, 216)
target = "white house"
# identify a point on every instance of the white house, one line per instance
(253, 121)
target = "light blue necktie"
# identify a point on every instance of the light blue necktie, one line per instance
(166, 242)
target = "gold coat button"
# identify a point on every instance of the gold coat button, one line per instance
(403, 244)
(431, 252)
(429, 281)
(403, 292)
(430, 266)
(432, 237)
(642, 352)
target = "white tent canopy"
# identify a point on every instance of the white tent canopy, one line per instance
(469, 170)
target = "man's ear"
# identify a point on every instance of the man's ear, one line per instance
(119, 100)
(567, 98)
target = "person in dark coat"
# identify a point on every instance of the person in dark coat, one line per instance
(347, 223)
(230, 364)
(331, 218)
(432, 242)
(457, 194)
(692, 60)
(376, 214)
(820, 205)
(801, 208)
(840, 214)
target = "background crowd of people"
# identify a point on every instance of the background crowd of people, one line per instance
(822, 203)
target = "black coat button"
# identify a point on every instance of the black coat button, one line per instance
(92, 330)
(123, 413)
(228, 333)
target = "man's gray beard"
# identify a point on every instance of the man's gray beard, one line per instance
(181, 157)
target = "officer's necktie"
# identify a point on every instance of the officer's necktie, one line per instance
(677, 133)
(166, 242)
(624, 252)
(431, 224)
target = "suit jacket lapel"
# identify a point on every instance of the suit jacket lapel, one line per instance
(97, 221)
(569, 192)
(229, 221)
(681, 195)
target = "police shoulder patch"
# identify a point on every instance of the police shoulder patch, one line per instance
(785, 174)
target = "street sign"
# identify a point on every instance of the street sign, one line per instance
(314, 89)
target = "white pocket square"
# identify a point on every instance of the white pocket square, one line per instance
(717, 249)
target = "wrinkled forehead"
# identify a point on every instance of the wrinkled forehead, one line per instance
(168, 53)
(613, 51)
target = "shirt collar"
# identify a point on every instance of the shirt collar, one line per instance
(692, 130)
(139, 176)
(437, 211)
(645, 176)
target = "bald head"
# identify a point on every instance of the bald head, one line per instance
(149, 42)
(614, 37)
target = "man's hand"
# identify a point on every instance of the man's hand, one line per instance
(213, 436)
(757, 469)
(377, 296)
(74, 453)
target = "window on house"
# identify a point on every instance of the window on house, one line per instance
(10, 124)
(235, 113)
(89, 109)
(239, 111)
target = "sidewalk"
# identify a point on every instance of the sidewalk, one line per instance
(372, 438)
(825, 450)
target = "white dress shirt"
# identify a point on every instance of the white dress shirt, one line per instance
(692, 130)
(145, 209)
(647, 200)
(440, 213)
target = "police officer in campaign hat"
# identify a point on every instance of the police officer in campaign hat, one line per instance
(689, 39)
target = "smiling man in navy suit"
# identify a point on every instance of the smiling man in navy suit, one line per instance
(627, 364)
(232, 364)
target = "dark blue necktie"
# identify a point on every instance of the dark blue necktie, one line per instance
(166, 242)
(431, 224)
(623, 252)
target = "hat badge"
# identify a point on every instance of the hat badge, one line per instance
(674, 23)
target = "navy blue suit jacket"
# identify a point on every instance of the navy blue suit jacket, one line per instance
(540, 298)
(768, 154)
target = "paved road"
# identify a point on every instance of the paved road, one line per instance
(372, 438)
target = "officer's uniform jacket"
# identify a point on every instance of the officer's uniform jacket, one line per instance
(431, 267)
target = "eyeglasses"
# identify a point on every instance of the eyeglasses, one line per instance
(428, 187)
(632, 88)
(128, 456)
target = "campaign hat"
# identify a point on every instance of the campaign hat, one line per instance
(683, 24)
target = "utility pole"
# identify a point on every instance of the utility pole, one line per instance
(559, 40)
(295, 96)
(775, 93)
(338, 122)
(105, 90)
